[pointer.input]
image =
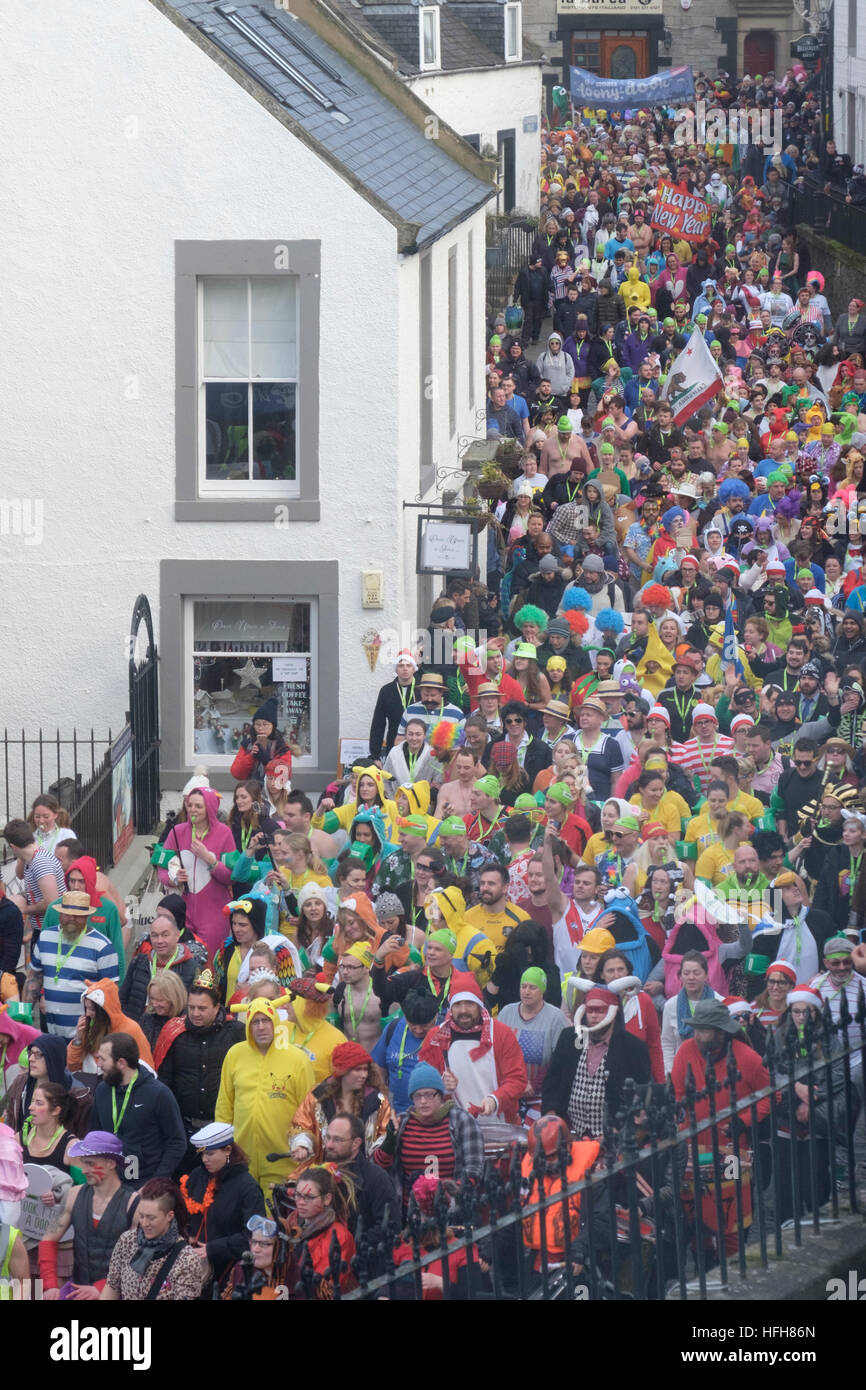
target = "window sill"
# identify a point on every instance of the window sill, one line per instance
(273, 510)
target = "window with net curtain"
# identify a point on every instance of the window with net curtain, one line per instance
(249, 375)
(243, 652)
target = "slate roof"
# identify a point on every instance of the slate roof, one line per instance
(352, 123)
(471, 37)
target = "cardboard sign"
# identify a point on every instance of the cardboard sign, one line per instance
(351, 750)
(680, 213)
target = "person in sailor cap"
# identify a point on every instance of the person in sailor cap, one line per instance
(220, 1196)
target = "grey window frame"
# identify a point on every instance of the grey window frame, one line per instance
(180, 580)
(194, 260)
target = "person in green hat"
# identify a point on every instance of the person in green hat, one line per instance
(567, 824)
(564, 451)
(487, 812)
(398, 868)
(537, 1026)
(613, 863)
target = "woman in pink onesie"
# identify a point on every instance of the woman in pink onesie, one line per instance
(205, 881)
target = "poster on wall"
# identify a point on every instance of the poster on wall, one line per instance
(123, 827)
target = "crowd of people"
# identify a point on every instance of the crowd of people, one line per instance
(612, 833)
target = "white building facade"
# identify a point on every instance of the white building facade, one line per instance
(219, 345)
(849, 78)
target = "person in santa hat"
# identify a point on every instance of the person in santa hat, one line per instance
(479, 1059)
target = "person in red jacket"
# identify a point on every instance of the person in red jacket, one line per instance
(478, 1058)
(252, 758)
(716, 1034)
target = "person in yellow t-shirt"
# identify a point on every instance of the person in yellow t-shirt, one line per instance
(716, 862)
(666, 807)
(704, 828)
(725, 768)
(601, 841)
(495, 915)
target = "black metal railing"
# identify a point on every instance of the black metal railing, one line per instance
(509, 242)
(76, 769)
(829, 215)
(685, 1191)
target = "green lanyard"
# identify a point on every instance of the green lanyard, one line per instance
(154, 963)
(246, 835)
(406, 693)
(295, 1034)
(402, 1052)
(115, 1120)
(61, 958)
(854, 873)
(28, 1128)
(363, 1006)
(462, 870)
(411, 760)
(446, 989)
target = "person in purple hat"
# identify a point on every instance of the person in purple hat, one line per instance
(99, 1213)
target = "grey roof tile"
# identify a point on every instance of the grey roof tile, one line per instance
(380, 146)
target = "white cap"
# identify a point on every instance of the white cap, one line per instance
(739, 720)
(704, 711)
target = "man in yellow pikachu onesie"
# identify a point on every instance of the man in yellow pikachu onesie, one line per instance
(264, 1080)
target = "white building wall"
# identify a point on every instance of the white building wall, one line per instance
(121, 137)
(849, 78)
(484, 102)
(402, 614)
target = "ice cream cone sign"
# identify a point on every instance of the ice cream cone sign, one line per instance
(371, 642)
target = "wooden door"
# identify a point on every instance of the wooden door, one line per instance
(759, 52)
(624, 56)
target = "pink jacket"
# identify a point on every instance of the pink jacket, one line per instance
(204, 906)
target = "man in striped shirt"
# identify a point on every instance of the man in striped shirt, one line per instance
(41, 870)
(697, 754)
(64, 958)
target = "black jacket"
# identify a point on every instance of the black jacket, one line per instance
(133, 991)
(386, 718)
(192, 1066)
(526, 378)
(627, 1057)
(11, 936)
(538, 757)
(237, 1197)
(151, 1129)
(374, 1191)
(531, 285)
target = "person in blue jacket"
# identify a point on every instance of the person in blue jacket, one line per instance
(397, 1050)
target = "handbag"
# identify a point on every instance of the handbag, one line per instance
(163, 1272)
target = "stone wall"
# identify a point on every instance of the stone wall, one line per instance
(844, 270)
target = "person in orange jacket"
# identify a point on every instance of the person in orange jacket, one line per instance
(101, 1015)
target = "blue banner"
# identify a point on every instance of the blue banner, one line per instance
(608, 93)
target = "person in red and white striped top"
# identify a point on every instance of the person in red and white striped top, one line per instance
(696, 755)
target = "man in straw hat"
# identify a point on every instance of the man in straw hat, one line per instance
(64, 959)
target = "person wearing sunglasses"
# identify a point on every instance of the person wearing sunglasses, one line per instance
(800, 783)
(533, 754)
(837, 978)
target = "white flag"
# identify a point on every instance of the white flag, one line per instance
(693, 379)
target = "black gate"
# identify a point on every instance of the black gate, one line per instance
(144, 717)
